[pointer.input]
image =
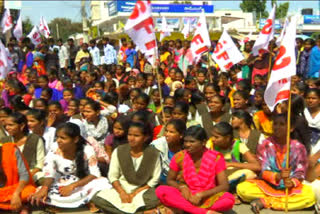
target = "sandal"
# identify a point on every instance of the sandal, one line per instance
(212, 212)
(256, 206)
(237, 200)
(93, 208)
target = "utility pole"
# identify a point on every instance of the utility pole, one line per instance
(84, 21)
(57, 28)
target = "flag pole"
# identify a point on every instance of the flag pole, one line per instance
(288, 145)
(155, 60)
(270, 61)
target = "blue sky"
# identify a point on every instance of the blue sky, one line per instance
(71, 9)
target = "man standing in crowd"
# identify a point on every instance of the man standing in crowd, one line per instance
(63, 57)
(73, 50)
(110, 54)
(95, 52)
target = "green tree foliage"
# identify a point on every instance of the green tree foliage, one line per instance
(66, 28)
(27, 26)
(281, 9)
(255, 5)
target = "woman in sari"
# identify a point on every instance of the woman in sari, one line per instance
(197, 180)
(15, 180)
(269, 190)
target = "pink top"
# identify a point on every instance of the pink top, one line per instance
(212, 163)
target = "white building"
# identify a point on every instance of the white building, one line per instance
(108, 14)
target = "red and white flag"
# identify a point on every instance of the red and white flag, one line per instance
(201, 40)
(164, 29)
(226, 53)
(245, 39)
(3, 61)
(140, 28)
(34, 36)
(43, 28)
(266, 34)
(278, 88)
(17, 31)
(280, 38)
(186, 29)
(6, 22)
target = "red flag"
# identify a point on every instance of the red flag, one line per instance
(278, 88)
(140, 28)
(6, 23)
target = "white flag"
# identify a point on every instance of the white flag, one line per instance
(164, 29)
(6, 22)
(245, 39)
(186, 29)
(201, 40)
(140, 28)
(3, 62)
(226, 53)
(266, 34)
(43, 28)
(278, 88)
(280, 38)
(17, 31)
(34, 35)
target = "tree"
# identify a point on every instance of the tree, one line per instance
(259, 6)
(281, 9)
(66, 28)
(27, 26)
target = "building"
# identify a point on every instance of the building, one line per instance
(108, 16)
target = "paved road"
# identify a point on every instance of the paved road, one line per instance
(240, 209)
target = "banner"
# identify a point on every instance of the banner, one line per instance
(3, 62)
(34, 36)
(140, 28)
(43, 28)
(6, 22)
(17, 31)
(201, 40)
(266, 34)
(226, 53)
(278, 88)
(164, 29)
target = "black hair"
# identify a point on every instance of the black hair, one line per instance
(20, 119)
(221, 98)
(144, 97)
(72, 130)
(197, 97)
(197, 133)
(245, 85)
(182, 106)
(302, 87)
(44, 77)
(141, 115)
(224, 129)
(76, 101)
(68, 89)
(49, 91)
(145, 129)
(244, 94)
(178, 94)
(18, 104)
(6, 110)
(37, 114)
(167, 110)
(189, 80)
(215, 87)
(94, 105)
(43, 101)
(179, 125)
(100, 83)
(313, 90)
(245, 116)
(56, 104)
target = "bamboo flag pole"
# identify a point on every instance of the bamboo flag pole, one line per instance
(288, 145)
(155, 64)
(270, 61)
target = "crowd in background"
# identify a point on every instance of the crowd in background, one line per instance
(98, 125)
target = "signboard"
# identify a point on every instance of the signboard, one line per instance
(311, 19)
(172, 23)
(112, 8)
(277, 25)
(12, 4)
(127, 7)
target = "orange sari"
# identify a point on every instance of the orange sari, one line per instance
(10, 168)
